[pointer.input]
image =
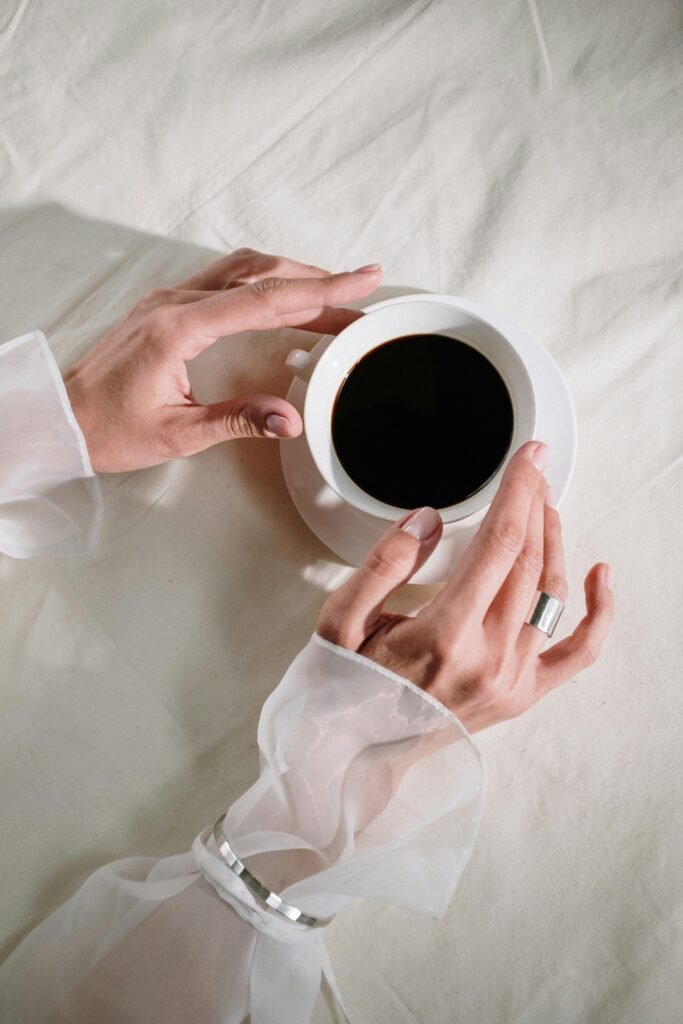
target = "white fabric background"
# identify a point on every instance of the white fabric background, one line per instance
(134, 138)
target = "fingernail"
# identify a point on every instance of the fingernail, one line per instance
(421, 524)
(539, 455)
(608, 577)
(550, 497)
(278, 425)
(369, 268)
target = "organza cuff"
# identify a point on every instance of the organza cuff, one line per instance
(368, 788)
(50, 500)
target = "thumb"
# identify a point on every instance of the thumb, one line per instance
(350, 614)
(245, 416)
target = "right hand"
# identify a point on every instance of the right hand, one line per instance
(131, 394)
(470, 647)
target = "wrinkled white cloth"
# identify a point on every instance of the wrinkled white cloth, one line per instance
(140, 141)
(368, 788)
(50, 502)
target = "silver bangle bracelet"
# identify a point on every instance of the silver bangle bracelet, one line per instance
(257, 888)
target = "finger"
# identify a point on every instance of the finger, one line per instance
(329, 320)
(553, 579)
(510, 605)
(171, 297)
(201, 426)
(490, 556)
(352, 612)
(245, 265)
(268, 303)
(570, 656)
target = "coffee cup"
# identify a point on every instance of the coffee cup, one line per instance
(409, 316)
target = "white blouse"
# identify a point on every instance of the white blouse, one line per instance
(50, 501)
(368, 788)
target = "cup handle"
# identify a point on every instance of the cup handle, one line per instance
(300, 364)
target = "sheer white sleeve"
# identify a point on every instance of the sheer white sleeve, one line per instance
(368, 788)
(50, 501)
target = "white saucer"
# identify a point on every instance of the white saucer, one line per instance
(350, 533)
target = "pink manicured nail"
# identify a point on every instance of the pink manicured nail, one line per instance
(539, 456)
(421, 524)
(608, 577)
(277, 425)
(369, 268)
(551, 497)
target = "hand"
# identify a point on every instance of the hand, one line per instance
(131, 395)
(470, 647)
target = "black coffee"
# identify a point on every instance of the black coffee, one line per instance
(422, 420)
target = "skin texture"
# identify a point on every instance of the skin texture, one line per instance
(131, 394)
(469, 647)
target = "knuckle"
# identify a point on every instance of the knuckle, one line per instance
(553, 523)
(237, 422)
(244, 252)
(527, 476)
(441, 648)
(269, 293)
(587, 655)
(507, 534)
(268, 289)
(161, 295)
(145, 302)
(384, 564)
(162, 320)
(489, 685)
(531, 561)
(555, 584)
(523, 477)
(490, 682)
(154, 298)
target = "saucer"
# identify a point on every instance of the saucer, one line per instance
(350, 533)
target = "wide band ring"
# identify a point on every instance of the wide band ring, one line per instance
(257, 888)
(545, 612)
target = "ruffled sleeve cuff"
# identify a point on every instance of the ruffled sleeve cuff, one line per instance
(369, 787)
(50, 499)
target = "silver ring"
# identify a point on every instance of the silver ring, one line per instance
(545, 612)
(265, 895)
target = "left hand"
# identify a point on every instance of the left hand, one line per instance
(131, 394)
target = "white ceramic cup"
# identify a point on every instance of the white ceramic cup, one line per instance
(325, 375)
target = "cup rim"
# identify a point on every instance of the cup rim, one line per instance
(331, 469)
